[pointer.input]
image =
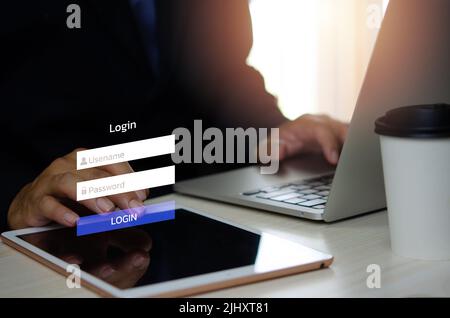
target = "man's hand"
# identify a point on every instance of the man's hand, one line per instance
(313, 134)
(42, 201)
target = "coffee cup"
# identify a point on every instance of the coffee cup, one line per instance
(415, 150)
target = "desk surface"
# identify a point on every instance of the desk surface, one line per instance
(355, 244)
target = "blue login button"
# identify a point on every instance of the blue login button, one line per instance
(126, 218)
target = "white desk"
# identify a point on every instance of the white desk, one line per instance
(355, 244)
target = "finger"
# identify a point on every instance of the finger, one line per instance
(114, 169)
(341, 130)
(288, 148)
(52, 209)
(288, 143)
(128, 201)
(328, 143)
(283, 152)
(124, 201)
(122, 168)
(72, 157)
(64, 185)
(111, 170)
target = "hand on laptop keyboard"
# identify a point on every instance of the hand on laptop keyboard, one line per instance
(313, 134)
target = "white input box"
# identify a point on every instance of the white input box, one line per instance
(125, 152)
(125, 183)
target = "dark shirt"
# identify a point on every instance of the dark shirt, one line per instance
(61, 88)
(144, 12)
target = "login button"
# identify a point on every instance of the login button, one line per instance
(126, 218)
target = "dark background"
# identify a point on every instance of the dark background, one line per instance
(61, 88)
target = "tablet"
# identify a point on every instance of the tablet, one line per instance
(189, 254)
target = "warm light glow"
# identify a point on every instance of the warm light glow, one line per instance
(285, 51)
(312, 53)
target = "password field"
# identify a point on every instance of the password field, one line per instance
(125, 183)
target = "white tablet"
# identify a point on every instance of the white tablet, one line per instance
(189, 254)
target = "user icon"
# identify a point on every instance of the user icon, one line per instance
(83, 161)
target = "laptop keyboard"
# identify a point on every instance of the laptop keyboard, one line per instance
(310, 193)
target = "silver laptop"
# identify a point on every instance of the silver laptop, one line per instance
(410, 65)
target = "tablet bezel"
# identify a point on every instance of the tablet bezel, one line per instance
(175, 288)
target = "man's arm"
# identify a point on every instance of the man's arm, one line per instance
(217, 43)
(218, 39)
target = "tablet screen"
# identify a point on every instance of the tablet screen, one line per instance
(188, 245)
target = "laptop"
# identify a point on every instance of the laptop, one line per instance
(410, 65)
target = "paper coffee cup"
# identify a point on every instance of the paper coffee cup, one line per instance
(415, 149)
